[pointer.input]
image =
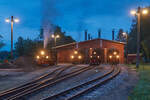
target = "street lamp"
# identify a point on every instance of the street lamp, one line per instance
(55, 38)
(12, 20)
(138, 13)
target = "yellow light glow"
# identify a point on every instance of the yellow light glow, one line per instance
(79, 57)
(115, 53)
(72, 57)
(117, 56)
(145, 11)
(91, 56)
(57, 36)
(94, 52)
(38, 57)
(133, 12)
(124, 33)
(7, 20)
(53, 36)
(16, 20)
(98, 57)
(75, 52)
(90, 48)
(110, 56)
(47, 57)
(42, 53)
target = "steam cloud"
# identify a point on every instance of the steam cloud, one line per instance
(49, 13)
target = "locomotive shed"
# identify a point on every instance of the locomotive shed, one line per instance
(64, 51)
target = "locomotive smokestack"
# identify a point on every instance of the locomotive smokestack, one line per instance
(99, 33)
(85, 35)
(113, 33)
(89, 36)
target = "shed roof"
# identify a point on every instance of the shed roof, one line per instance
(73, 43)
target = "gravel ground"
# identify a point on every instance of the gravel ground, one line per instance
(117, 89)
(16, 78)
(61, 86)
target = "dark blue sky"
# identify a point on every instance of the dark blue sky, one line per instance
(72, 15)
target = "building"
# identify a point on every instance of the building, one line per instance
(64, 51)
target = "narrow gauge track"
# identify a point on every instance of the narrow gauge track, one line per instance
(31, 83)
(79, 90)
(42, 84)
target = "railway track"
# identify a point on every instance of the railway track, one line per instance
(20, 92)
(31, 83)
(79, 90)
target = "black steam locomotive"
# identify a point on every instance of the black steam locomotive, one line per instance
(76, 57)
(96, 56)
(113, 56)
(45, 58)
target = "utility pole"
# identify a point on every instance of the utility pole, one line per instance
(138, 36)
(12, 22)
(140, 11)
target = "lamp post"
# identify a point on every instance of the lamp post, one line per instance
(12, 20)
(55, 39)
(138, 13)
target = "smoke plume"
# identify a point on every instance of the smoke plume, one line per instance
(49, 13)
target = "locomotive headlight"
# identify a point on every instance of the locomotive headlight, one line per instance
(42, 53)
(110, 56)
(90, 56)
(75, 52)
(98, 57)
(38, 57)
(47, 57)
(115, 53)
(94, 53)
(117, 56)
(79, 57)
(72, 57)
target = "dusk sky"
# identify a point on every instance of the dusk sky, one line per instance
(74, 16)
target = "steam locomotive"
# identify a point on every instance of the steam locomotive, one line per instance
(96, 57)
(45, 58)
(76, 57)
(92, 56)
(113, 56)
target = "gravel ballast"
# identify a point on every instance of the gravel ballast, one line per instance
(117, 89)
(69, 83)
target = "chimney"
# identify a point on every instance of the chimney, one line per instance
(85, 35)
(99, 33)
(113, 33)
(89, 36)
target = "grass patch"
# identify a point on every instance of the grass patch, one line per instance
(142, 89)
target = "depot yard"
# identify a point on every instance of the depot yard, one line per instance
(13, 77)
(142, 89)
(113, 90)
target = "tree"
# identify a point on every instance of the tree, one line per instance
(19, 46)
(29, 47)
(145, 36)
(120, 36)
(63, 38)
(1, 42)
(25, 46)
